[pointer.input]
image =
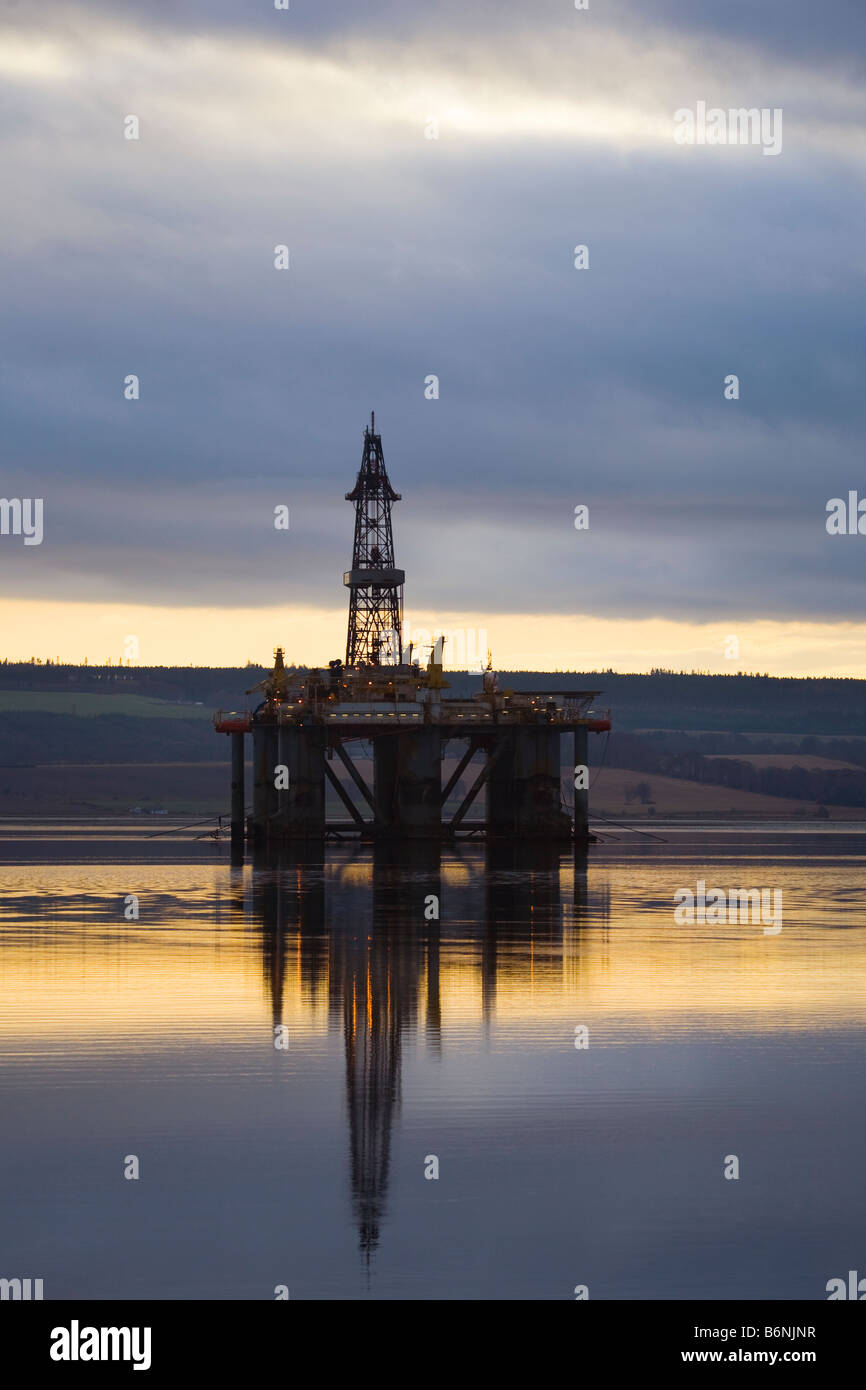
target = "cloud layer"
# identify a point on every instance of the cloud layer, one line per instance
(413, 256)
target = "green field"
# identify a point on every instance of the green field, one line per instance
(87, 705)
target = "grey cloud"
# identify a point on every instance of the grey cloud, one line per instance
(557, 386)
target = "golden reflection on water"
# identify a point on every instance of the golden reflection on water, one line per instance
(220, 953)
(466, 1019)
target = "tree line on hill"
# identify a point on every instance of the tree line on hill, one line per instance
(658, 700)
(835, 786)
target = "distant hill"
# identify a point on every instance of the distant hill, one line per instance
(666, 723)
(662, 700)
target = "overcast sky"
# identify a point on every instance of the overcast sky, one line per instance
(452, 256)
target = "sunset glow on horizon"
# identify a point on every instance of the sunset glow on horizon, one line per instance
(78, 632)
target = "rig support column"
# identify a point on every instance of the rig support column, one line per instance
(419, 790)
(261, 780)
(385, 782)
(407, 783)
(283, 794)
(500, 787)
(581, 794)
(274, 796)
(296, 812)
(536, 787)
(237, 842)
(302, 749)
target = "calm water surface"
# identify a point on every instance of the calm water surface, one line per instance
(409, 1038)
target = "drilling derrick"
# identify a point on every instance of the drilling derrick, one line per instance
(375, 586)
(508, 760)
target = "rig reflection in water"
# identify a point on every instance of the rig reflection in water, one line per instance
(382, 974)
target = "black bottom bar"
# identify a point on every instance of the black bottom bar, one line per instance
(225, 1338)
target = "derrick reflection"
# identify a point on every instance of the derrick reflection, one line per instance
(370, 931)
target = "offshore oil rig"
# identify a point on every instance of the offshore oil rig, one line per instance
(375, 695)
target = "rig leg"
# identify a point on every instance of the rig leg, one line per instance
(407, 784)
(536, 791)
(581, 794)
(261, 781)
(500, 787)
(283, 794)
(237, 843)
(385, 782)
(303, 752)
(419, 789)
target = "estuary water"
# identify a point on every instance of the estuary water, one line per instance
(467, 1074)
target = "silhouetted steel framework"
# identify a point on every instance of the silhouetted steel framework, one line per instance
(375, 586)
(307, 716)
